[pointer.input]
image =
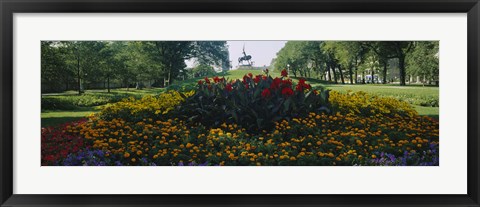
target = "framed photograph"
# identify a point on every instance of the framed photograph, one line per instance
(263, 103)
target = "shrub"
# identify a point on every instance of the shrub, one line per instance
(366, 105)
(420, 100)
(69, 102)
(149, 106)
(255, 102)
(49, 103)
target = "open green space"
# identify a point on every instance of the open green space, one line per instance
(54, 118)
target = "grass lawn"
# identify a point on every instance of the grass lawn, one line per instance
(238, 74)
(113, 92)
(388, 90)
(53, 118)
(428, 111)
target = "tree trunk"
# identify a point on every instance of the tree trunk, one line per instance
(356, 75)
(78, 76)
(341, 74)
(332, 67)
(401, 65)
(363, 77)
(356, 69)
(108, 84)
(329, 73)
(169, 78)
(351, 74)
(385, 72)
(373, 75)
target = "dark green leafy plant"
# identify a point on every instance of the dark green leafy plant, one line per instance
(255, 102)
(70, 102)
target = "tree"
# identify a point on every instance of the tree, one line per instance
(349, 54)
(371, 63)
(203, 70)
(111, 62)
(330, 49)
(55, 71)
(301, 58)
(169, 56)
(423, 61)
(393, 49)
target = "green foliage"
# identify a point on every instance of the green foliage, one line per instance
(423, 61)
(71, 102)
(300, 57)
(415, 95)
(148, 106)
(255, 103)
(55, 71)
(203, 70)
(68, 64)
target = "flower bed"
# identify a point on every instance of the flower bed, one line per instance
(219, 125)
(58, 142)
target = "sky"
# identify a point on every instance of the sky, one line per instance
(262, 52)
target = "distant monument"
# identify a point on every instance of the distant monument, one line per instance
(246, 58)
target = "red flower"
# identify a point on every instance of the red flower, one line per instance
(200, 82)
(287, 83)
(245, 79)
(229, 87)
(301, 81)
(284, 73)
(266, 93)
(299, 88)
(302, 85)
(216, 79)
(207, 80)
(52, 138)
(275, 84)
(287, 92)
(257, 78)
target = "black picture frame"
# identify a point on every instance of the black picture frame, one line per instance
(9, 7)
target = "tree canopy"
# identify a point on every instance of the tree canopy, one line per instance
(126, 63)
(356, 61)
